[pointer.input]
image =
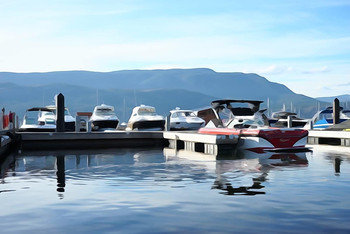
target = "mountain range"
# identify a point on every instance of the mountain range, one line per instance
(164, 89)
(342, 98)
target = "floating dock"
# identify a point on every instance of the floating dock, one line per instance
(84, 140)
(324, 137)
(202, 143)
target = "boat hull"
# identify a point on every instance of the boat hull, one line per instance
(103, 124)
(37, 129)
(148, 124)
(262, 140)
(185, 126)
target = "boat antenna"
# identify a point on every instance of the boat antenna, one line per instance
(124, 110)
(268, 106)
(135, 97)
(43, 97)
(97, 97)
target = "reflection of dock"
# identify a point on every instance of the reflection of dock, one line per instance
(71, 140)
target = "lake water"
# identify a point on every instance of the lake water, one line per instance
(151, 190)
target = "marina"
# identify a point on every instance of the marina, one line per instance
(242, 131)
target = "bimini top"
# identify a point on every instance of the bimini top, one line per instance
(253, 106)
(282, 114)
(40, 109)
(228, 101)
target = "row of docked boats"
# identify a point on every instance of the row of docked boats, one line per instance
(242, 118)
(43, 119)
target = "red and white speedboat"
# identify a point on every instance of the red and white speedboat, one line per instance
(244, 119)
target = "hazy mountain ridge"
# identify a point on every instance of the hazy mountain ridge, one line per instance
(342, 98)
(78, 98)
(202, 83)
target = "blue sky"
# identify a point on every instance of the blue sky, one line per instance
(303, 44)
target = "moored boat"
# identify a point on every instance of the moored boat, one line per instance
(145, 118)
(244, 119)
(35, 120)
(324, 118)
(280, 119)
(104, 117)
(185, 120)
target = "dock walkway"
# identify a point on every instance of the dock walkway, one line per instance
(203, 143)
(84, 140)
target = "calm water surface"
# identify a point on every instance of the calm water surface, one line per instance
(143, 190)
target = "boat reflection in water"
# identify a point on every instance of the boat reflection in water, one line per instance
(242, 174)
(242, 163)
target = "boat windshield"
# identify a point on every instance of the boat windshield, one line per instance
(66, 112)
(184, 114)
(105, 112)
(148, 111)
(325, 116)
(46, 113)
(31, 117)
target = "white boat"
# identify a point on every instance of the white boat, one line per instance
(280, 119)
(104, 117)
(185, 120)
(324, 118)
(69, 120)
(38, 119)
(145, 117)
(244, 119)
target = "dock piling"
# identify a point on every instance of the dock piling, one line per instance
(60, 113)
(77, 123)
(1, 121)
(336, 111)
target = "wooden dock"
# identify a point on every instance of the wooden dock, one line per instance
(85, 140)
(324, 137)
(202, 143)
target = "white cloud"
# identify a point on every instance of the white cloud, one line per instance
(323, 69)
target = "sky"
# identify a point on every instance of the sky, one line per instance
(302, 44)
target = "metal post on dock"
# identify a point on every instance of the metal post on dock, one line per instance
(289, 122)
(1, 121)
(167, 123)
(311, 125)
(60, 113)
(17, 122)
(336, 111)
(77, 123)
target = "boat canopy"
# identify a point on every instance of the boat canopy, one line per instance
(253, 106)
(283, 114)
(40, 109)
